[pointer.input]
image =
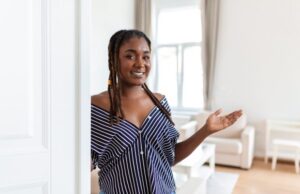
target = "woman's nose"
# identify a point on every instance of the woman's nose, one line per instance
(140, 62)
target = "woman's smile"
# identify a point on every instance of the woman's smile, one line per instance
(137, 74)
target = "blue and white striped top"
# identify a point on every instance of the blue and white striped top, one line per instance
(116, 150)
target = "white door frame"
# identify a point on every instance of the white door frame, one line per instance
(83, 102)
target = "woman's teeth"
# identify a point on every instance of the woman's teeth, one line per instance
(138, 74)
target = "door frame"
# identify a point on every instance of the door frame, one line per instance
(83, 143)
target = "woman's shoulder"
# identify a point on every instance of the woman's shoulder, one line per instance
(159, 96)
(101, 100)
(163, 100)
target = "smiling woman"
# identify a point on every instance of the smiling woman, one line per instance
(133, 139)
(135, 60)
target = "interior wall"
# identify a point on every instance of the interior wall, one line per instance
(107, 18)
(258, 61)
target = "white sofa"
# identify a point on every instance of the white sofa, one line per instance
(234, 145)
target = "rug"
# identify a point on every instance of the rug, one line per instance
(221, 183)
(216, 182)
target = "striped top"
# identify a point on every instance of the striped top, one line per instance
(130, 163)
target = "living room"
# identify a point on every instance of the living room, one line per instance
(253, 59)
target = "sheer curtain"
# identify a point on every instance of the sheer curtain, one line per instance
(143, 18)
(210, 18)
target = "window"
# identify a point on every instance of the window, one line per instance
(179, 73)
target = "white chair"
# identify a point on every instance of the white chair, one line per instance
(281, 144)
(234, 145)
(286, 130)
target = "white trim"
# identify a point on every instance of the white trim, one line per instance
(46, 73)
(83, 101)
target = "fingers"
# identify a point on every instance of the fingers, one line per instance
(237, 113)
(230, 118)
(218, 112)
(234, 115)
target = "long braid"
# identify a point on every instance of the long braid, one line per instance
(157, 103)
(118, 85)
(114, 87)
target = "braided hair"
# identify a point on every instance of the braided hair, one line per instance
(114, 85)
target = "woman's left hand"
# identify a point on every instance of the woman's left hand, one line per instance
(216, 123)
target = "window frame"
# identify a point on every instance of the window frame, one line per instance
(180, 47)
(159, 6)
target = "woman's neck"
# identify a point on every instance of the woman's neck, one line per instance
(132, 92)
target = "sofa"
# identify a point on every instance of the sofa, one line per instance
(234, 145)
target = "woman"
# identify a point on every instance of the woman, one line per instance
(134, 142)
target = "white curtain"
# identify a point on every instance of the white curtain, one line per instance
(210, 18)
(144, 16)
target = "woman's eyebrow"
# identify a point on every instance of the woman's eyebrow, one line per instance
(134, 51)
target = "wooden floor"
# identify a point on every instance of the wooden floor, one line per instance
(260, 179)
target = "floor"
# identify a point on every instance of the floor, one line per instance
(260, 179)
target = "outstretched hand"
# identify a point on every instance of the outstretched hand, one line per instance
(216, 123)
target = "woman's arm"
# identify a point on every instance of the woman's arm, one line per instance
(213, 124)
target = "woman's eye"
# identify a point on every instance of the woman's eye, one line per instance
(129, 57)
(146, 57)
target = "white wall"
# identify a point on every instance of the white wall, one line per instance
(258, 60)
(107, 18)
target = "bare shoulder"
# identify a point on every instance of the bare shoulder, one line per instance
(159, 96)
(101, 100)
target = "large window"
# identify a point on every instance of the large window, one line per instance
(179, 72)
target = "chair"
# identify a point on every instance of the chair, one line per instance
(234, 145)
(281, 144)
(281, 137)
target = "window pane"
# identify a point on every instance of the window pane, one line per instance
(193, 78)
(167, 73)
(179, 25)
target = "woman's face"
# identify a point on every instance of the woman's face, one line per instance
(134, 57)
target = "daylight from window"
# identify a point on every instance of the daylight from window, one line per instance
(178, 52)
(179, 25)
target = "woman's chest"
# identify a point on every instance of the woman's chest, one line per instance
(136, 112)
